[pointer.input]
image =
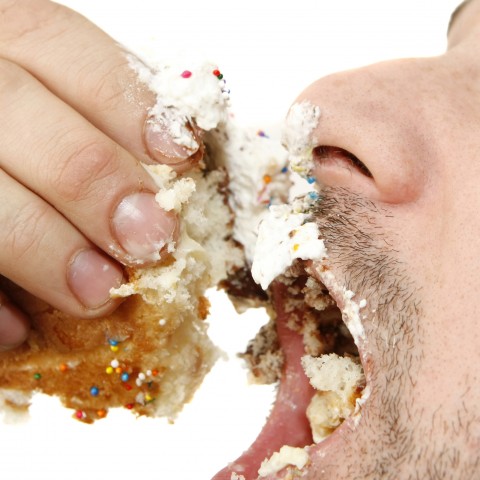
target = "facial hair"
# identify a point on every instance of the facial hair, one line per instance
(395, 438)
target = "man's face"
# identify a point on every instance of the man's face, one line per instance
(396, 153)
(402, 228)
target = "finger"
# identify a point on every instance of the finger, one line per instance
(43, 253)
(14, 325)
(94, 183)
(87, 69)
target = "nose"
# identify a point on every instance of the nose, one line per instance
(373, 135)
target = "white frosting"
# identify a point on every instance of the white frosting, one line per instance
(257, 177)
(256, 163)
(351, 308)
(200, 96)
(287, 455)
(191, 93)
(301, 122)
(285, 235)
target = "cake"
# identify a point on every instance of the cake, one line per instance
(240, 231)
(152, 353)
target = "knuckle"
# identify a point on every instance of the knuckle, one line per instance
(104, 83)
(12, 78)
(85, 174)
(24, 231)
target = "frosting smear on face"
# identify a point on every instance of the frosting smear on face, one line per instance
(289, 243)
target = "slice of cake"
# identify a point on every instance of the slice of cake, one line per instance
(152, 353)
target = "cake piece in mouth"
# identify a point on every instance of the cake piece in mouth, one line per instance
(320, 376)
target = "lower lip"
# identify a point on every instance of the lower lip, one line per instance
(323, 452)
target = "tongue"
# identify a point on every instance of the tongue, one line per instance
(287, 424)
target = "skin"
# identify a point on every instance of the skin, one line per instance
(73, 131)
(406, 239)
(72, 134)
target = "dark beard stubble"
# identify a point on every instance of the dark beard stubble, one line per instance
(400, 444)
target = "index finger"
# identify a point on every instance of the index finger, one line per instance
(87, 69)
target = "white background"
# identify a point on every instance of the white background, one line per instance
(268, 51)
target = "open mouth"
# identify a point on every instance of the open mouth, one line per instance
(321, 379)
(323, 368)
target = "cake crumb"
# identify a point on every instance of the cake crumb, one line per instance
(287, 455)
(339, 382)
(264, 357)
(237, 477)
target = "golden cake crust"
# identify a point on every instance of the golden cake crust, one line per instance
(128, 358)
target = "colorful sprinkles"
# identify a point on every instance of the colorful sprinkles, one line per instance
(141, 390)
(223, 83)
(114, 345)
(267, 195)
(80, 414)
(149, 398)
(218, 74)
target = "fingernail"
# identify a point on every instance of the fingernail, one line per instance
(14, 327)
(170, 143)
(91, 275)
(142, 227)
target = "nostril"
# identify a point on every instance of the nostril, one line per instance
(323, 153)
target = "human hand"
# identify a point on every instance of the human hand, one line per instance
(76, 204)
